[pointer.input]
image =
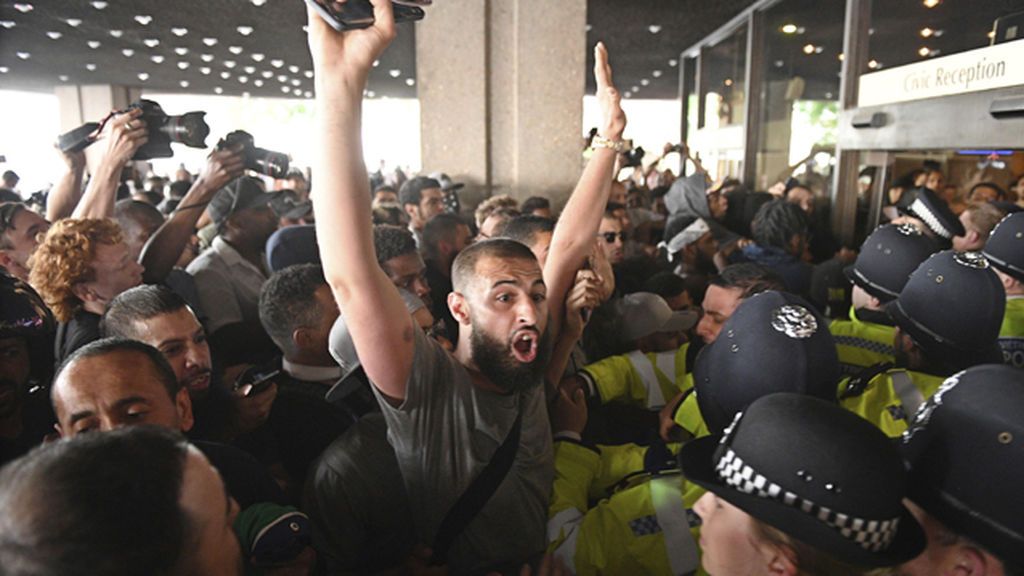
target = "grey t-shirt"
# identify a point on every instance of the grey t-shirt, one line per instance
(444, 433)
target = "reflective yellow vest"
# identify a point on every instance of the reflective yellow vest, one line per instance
(645, 380)
(644, 529)
(1011, 335)
(890, 399)
(861, 344)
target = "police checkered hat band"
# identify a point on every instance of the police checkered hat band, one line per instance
(922, 211)
(871, 535)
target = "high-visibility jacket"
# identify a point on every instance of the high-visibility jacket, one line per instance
(688, 416)
(890, 398)
(1011, 335)
(645, 380)
(861, 344)
(643, 529)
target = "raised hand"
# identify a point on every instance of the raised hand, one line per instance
(613, 119)
(124, 134)
(222, 167)
(349, 55)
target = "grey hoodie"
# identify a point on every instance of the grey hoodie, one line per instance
(687, 200)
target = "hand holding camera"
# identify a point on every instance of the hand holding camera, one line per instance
(348, 56)
(124, 133)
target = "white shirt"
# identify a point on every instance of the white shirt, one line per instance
(325, 374)
(228, 285)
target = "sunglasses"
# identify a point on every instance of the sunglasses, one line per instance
(609, 237)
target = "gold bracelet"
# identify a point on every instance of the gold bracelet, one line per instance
(601, 142)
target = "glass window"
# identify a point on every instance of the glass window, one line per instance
(913, 30)
(689, 68)
(801, 59)
(724, 88)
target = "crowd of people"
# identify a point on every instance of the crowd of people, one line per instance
(668, 376)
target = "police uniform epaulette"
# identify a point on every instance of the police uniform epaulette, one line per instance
(857, 384)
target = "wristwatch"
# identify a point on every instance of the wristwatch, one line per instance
(601, 142)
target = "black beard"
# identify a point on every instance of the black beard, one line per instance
(494, 359)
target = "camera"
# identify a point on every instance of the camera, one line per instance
(634, 157)
(273, 164)
(189, 129)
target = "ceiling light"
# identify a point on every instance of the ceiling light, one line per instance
(143, 20)
(829, 95)
(628, 94)
(73, 22)
(654, 28)
(927, 32)
(841, 56)
(143, 76)
(181, 50)
(257, 83)
(656, 74)
(931, 3)
(267, 74)
(410, 82)
(128, 52)
(307, 73)
(244, 30)
(371, 94)
(62, 78)
(116, 33)
(258, 3)
(204, 70)
(99, 4)
(308, 94)
(635, 89)
(809, 49)
(23, 7)
(923, 51)
(24, 55)
(282, 78)
(277, 63)
(210, 41)
(673, 63)
(305, 29)
(285, 89)
(394, 73)
(376, 63)
(245, 94)
(225, 74)
(293, 69)
(873, 64)
(4, 69)
(157, 59)
(151, 42)
(54, 35)
(243, 79)
(728, 82)
(645, 82)
(179, 32)
(206, 57)
(90, 67)
(236, 50)
(7, 24)
(296, 82)
(183, 83)
(229, 63)
(250, 69)
(779, 63)
(94, 44)
(991, 34)
(789, 29)
(258, 57)
(588, 27)
(218, 90)
(183, 65)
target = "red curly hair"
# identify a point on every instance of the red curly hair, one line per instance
(62, 260)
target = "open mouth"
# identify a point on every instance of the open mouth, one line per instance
(524, 346)
(198, 383)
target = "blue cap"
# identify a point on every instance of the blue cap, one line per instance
(292, 245)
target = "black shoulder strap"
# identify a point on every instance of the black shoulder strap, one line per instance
(858, 383)
(477, 493)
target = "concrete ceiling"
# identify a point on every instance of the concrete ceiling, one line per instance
(260, 45)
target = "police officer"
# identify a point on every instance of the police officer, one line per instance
(965, 453)
(932, 215)
(886, 260)
(947, 319)
(774, 342)
(1005, 250)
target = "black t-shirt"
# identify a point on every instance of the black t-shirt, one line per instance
(246, 481)
(83, 328)
(37, 422)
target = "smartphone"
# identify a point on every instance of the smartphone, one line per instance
(356, 14)
(255, 380)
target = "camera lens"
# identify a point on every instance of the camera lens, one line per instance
(188, 129)
(273, 164)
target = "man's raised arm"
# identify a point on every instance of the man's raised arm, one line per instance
(381, 328)
(577, 226)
